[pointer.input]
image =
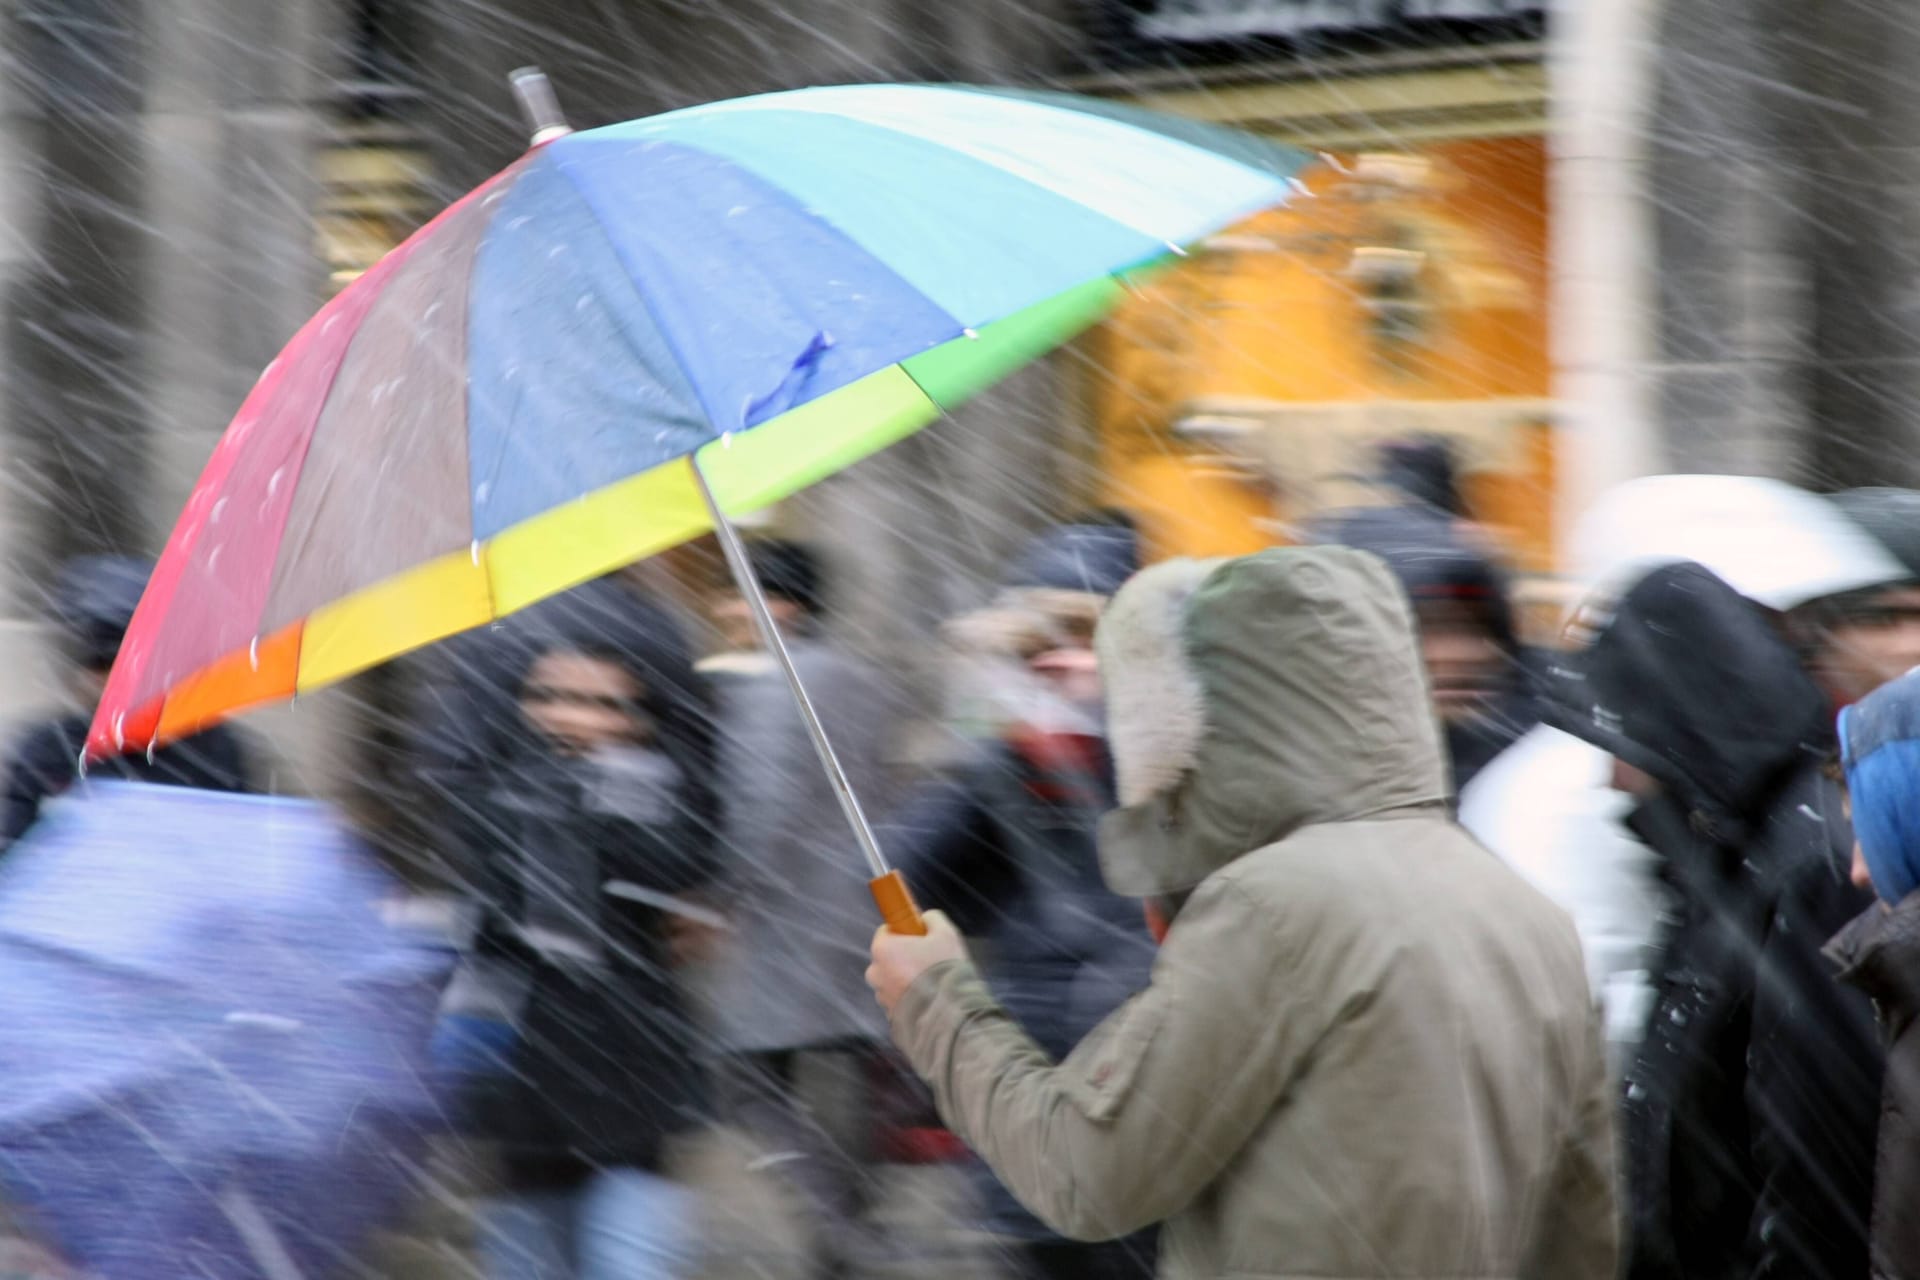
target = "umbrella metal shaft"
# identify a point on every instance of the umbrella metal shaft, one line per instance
(749, 583)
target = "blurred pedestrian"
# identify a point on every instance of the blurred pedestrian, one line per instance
(1004, 842)
(587, 833)
(1546, 805)
(1748, 1123)
(1480, 678)
(1341, 968)
(1879, 953)
(93, 602)
(794, 1017)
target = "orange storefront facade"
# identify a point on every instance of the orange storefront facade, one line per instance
(1245, 389)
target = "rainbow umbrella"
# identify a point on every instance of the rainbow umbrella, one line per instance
(514, 400)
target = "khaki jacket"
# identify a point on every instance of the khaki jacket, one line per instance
(1368, 1048)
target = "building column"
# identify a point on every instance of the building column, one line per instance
(1603, 320)
(169, 149)
(27, 680)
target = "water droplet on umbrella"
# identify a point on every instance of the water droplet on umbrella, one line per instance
(481, 490)
(273, 481)
(1176, 250)
(971, 335)
(328, 326)
(120, 731)
(253, 654)
(474, 551)
(213, 558)
(555, 252)
(736, 211)
(586, 300)
(1300, 188)
(219, 509)
(151, 745)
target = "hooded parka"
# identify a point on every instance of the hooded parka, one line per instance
(1367, 1048)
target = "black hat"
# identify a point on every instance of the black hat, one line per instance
(788, 571)
(1891, 516)
(1092, 558)
(1423, 469)
(94, 600)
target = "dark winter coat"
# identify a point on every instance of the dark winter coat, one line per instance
(1879, 954)
(1007, 846)
(45, 762)
(1435, 560)
(605, 1066)
(1748, 1119)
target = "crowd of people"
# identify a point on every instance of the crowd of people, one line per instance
(1252, 996)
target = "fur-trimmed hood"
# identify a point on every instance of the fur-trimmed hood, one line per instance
(1248, 698)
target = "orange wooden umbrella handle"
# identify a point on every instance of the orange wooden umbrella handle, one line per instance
(897, 908)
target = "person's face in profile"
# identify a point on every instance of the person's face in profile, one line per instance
(1466, 667)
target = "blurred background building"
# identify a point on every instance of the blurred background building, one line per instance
(1658, 236)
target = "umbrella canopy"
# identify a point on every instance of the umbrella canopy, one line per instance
(215, 1046)
(506, 405)
(1777, 545)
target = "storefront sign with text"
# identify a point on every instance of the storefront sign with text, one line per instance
(1231, 19)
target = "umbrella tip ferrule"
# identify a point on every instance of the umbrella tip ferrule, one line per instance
(539, 105)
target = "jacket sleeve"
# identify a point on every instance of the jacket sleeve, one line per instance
(1154, 1103)
(1580, 1227)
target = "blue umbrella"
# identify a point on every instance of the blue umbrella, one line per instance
(215, 1057)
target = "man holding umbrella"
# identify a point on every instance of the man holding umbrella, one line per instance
(1341, 968)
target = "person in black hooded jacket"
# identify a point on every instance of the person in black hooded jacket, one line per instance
(1748, 1118)
(579, 815)
(94, 600)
